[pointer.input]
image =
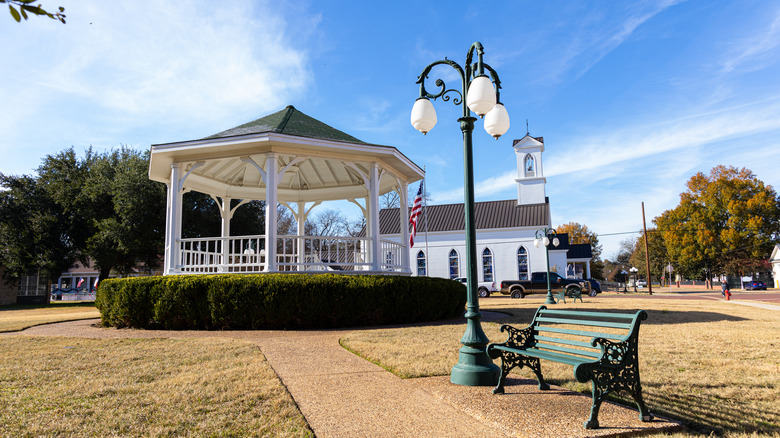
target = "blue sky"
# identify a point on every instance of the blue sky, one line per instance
(632, 98)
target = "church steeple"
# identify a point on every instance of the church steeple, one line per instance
(530, 175)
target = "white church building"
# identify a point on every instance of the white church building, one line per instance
(505, 231)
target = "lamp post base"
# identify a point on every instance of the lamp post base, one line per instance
(474, 368)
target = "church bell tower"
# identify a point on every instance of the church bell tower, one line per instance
(530, 176)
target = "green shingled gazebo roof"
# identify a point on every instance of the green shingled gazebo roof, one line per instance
(289, 121)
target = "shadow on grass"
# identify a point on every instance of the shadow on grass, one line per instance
(712, 413)
(523, 316)
(53, 305)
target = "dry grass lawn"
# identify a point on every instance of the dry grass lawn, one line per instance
(15, 318)
(713, 365)
(141, 387)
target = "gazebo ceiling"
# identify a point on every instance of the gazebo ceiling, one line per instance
(322, 163)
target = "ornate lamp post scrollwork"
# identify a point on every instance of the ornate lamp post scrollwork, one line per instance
(543, 237)
(477, 93)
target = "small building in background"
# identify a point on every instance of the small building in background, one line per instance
(27, 289)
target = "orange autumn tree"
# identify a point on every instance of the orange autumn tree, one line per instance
(726, 222)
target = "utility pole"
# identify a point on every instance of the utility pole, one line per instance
(647, 253)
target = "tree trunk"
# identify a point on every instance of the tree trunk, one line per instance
(104, 272)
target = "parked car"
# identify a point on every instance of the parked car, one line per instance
(595, 287)
(538, 284)
(641, 283)
(483, 289)
(755, 285)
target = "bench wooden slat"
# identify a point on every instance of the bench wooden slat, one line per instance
(566, 341)
(556, 357)
(579, 332)
(558, 348)
(588, 314)
(619, 325)
(548, 355)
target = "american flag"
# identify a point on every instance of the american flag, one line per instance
(416, 210)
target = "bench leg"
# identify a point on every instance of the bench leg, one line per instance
(509, 361)
(536, 366)
(644, 413)
(598, 396)
(505, 367)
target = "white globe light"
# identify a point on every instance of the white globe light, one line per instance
(546, 241)
(497, 121)
(537, 242)
(481, 97)
(556, 241)
(423, 115)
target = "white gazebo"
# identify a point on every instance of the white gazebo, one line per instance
(291, 159)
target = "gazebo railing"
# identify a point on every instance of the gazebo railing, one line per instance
(293, 254)
(322, 253)
(392, 256)
(222, 254)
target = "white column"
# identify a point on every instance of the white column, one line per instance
(373, 215)
(173, 220)
(226, 215)
(587, 268)
(270, 211)
(167, 250)
(301, 219)
(404, 217)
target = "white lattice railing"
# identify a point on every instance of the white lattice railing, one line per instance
(391, 254)
(322, 253)
(293, 253)
(222, 254)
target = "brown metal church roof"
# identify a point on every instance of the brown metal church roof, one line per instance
(488, 215)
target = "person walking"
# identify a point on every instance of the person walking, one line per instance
(724, 288)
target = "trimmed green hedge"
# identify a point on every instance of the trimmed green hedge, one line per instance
(276, 301)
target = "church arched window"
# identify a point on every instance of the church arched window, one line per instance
(522, 263)
(454, 269)
(487, 265)
(422, 268)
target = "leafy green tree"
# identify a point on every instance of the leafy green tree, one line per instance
(29, 6)
(582, 234)
(113, 213)
(33, 235)
(723, 218)
(101, 209)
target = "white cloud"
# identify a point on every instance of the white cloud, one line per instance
(752, 53)
(596, 37)
(635, 142)
(117, 67)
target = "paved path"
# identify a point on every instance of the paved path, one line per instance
(763, 299)
(342, 395)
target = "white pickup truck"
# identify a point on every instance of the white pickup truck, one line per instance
(483, 289)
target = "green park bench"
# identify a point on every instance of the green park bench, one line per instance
(576, 293)
(608, 358)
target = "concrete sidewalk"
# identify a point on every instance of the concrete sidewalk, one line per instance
(342, 395)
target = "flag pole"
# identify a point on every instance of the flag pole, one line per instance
(425, 217)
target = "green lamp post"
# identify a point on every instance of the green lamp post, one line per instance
(543, 237)
(477, 94)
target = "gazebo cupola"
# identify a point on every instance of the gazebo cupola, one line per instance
(291, 159)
